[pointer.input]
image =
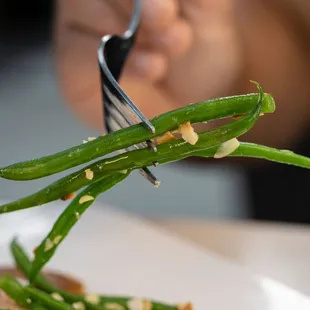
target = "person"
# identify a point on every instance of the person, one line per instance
(188, 51)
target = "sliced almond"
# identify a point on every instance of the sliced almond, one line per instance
(135, 304)
(57, 296)
(113, 306)
(227, 148)
(92, 298)
(89, 174)
(49, 244)
(167, 137)
(57, 239)
(186, 306)
(86, 198)
(147, 305)
(78, 305)
(188, 133)
(89, 139)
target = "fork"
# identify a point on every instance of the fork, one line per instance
(119, 110)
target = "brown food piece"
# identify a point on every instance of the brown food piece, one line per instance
(167, 137)
(69, 196)
(64, 282)
(188, 133)
(187, 306)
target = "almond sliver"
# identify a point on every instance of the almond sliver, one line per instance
(167, 137)
(86, 198)
(89, 174)
(188, 133)
(227, 148)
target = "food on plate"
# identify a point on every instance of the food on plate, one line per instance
(56, 291)
(175, 139)
(64, 282)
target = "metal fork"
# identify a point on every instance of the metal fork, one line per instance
(119, 110)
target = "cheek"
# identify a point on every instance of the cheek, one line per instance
(270, 53)
(76, 64)
(273, 58)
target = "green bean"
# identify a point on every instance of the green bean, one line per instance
(23, 263)
(264, 152)
(103, 304)
(103, 145)
(173, 151)
(38, 307)
(141, 158)
(122, 301)
(68, 219)
(46, 299)
(15, 291)
(244, 150)
(51, 192)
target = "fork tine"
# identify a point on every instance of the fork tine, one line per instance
(121, 119)
(116, 125)
(114, 102)
(143, 171)
(149, 176)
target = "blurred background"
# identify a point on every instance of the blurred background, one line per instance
(35, 121)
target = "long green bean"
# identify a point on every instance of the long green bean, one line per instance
(139, 158)
(103, 145)
(24, 264)
(252, 150)
(50, 193)
(46, 299)
(68, 219)
(16, 292)
(175, 150)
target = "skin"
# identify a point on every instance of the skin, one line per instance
(189, 51)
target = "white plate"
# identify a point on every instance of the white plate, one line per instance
(115, 253)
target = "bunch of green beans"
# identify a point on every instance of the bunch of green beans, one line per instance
(103, 145)
(107, 172)
(39, 295)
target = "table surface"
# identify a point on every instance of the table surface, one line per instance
(279, 251)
